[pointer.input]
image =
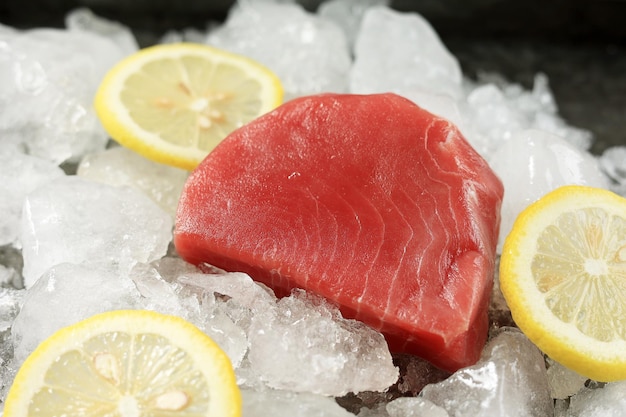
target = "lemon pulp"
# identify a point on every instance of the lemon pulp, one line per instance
(580, 267)
(103, 367)
(174, 103)
(563, 275)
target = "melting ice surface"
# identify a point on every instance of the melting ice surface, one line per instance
(86, 227)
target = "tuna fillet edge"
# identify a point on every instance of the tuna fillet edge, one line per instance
(367, 200)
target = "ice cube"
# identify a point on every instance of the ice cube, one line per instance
(83, 20)
(79, 221)
(533, 163)
(416, 60)
(318, 350)
(19, 175)
(509, 380)
(49, 80)
(308, 53)
(348, 14)
(608, 401)
(277, 403)
(120, 166)
(65, 295)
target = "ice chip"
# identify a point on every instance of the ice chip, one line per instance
(158, 294)
(533, 163)
(499, 312)
(417, 60)
(318, 350)
(7, 367)
(278, 403)
(378, 410)
(65, 295)
(546, 115)
(372, 401)
(84, 20)
(414, 407)
(415, 374)
(229, 300)
(348, 14)
(613, 164)
(308, 53)
(508, 381)
(50, 77)
(560, 407)
(160, 290)
(11, 266)
(79, 221)
(608, 401)
(189, 34)
(6, 31)
(563, 382)
(7, 276)
(494, 110)
(19, 175)
(441, 105)
(173, 267)
(235, 285)
(120, 166)
(491, 119)
(227, 331)
(10, 301)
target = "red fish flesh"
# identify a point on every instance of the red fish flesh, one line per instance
(367, 200)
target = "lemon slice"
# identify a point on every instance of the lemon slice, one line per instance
(126, 364)
(563, 275)
(174, 103)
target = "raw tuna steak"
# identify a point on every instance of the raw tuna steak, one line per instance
(369, 201)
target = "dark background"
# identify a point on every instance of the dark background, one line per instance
(579, 44)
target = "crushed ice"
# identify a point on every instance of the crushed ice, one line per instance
(74, 245)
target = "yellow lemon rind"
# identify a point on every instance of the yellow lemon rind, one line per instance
(119, 125)
(601, 361)
(226, 398)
